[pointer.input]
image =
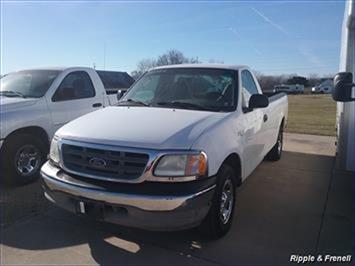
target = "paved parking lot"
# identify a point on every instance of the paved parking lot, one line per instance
(299, 205)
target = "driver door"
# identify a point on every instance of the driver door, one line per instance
(252, 124)
(74, 97)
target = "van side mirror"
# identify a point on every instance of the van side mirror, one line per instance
(258, 101)
(343, 86)
(120, 93)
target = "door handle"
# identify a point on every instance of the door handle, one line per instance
(265, 118)
(97, 105)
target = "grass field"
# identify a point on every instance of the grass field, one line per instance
(311, 114)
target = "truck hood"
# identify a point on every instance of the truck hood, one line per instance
(141, 127)
(11, 103)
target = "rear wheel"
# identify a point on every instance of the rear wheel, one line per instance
(219, 218)
(276, 151)
(21, 158)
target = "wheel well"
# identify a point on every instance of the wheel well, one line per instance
(282, 123)
(233, 160)
(34, 131)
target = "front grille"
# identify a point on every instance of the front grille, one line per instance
(104, 163)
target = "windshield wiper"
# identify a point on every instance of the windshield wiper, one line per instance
(185, 105)
(12, 93)
(133, 101)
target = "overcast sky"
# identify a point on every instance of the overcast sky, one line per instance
(272, 37)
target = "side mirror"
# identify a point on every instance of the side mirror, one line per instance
(343, 85)
(258, 101)
(120, 94)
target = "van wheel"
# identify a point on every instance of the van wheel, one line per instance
(21, 158)
(220, 216)
(276, 151)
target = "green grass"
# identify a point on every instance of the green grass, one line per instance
(311, 114)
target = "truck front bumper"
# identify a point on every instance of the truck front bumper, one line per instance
(146, 211)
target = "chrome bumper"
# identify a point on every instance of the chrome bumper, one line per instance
(56, 182)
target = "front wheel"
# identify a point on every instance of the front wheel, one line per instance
(21, 159)
(219, 218)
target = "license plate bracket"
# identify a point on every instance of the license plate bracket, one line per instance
(91, 209)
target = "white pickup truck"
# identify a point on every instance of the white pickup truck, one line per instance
(35, 103)
(171, 153)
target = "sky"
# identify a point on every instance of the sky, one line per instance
(272, 37)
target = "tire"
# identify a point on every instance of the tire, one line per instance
(276, 152)
(21, 158)
(215, 225)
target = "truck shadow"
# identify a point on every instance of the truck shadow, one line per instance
(279, 212)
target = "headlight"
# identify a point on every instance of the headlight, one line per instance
(182, 165)
(54, 151)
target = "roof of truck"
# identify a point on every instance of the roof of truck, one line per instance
(51, 68)
(70, 68)
(42, 68)
(219, 66)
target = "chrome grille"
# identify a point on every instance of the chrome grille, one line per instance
(104, 163)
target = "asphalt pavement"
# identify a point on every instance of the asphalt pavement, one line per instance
(299, 205)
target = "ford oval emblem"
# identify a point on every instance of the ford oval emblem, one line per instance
(97, 162)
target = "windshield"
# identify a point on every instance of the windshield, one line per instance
(185, 88)
(30, 83)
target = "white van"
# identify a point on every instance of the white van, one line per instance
(325, 87)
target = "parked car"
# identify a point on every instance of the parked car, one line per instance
(325, 87)
(290, 89)
(170, 155)
(35, 103)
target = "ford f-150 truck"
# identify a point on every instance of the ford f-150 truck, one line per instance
(35, 103)
(171, 153)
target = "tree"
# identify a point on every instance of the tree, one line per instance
(143, 66)
(171, 57)
(314, 80)
(298, 80)
(268, 82)
(174, 57)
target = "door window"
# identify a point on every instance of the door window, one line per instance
(248, 88)
(76, 85)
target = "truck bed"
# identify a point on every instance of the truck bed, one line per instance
(273, 96)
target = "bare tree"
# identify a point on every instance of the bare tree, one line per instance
(313, 80)
(171, 57)
(268, 82)
(143, 66)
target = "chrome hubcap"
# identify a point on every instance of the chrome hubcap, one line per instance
(27, 160)
(227, 200)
